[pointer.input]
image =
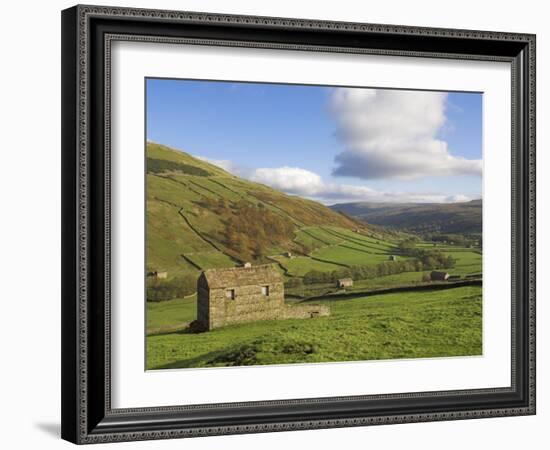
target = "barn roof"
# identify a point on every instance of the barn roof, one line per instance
(438, 272)
(345, 280)
(242, 276)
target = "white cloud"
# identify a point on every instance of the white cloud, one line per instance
(297, 181)
(303, 182)
(228, 166)
(392, 134)
(290, 179)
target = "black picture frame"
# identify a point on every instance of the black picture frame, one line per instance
(87, 415)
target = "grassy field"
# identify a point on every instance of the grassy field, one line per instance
(169, 314)
(398, 279)
(349, 255)
(467, 262)
(193, 212)
(186, 227)
(189, 207)
(299, 265)
(210, 259)
(404, 325)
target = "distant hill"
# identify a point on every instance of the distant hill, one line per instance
(463, 218)
(200, 216)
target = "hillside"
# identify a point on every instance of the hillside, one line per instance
(200, 216)
(463, 218)
(404, 325)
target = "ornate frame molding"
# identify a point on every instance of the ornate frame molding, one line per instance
(87, 423)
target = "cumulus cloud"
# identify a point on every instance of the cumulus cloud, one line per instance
(392, 134)
(290, 179)
(297, 181)
(305, 183)
(228, 166)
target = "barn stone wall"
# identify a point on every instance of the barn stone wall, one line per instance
(249, 304)
(215, 309)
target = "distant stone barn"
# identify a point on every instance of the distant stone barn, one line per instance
(439, 276)
(246, 294)
(344, 282)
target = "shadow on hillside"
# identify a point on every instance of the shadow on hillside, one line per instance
(193, 362)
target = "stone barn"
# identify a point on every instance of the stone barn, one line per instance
(392, 258)
(439, 276)
(344, 282)
(246, 294)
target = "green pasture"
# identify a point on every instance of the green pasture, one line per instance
(171, 313)
(298, 266)
(322, 235)
(399, 279)
(350, 235)
(211, 259)
(403, 325)
(348, 255)
(467, 262)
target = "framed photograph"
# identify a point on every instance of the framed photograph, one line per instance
(279, 224)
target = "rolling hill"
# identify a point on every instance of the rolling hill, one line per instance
(200, 216)
(463, 218)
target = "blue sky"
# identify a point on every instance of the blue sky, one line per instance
(326, 143)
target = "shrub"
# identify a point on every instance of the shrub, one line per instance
(160, 290)
(293, 283)
(425, 260)
(162, 165)
(250, 228)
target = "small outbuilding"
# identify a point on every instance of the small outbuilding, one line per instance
(392, 258)
(288, 254)
(246, 294)
(160, 275)
(439, 276)
(344, 282)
